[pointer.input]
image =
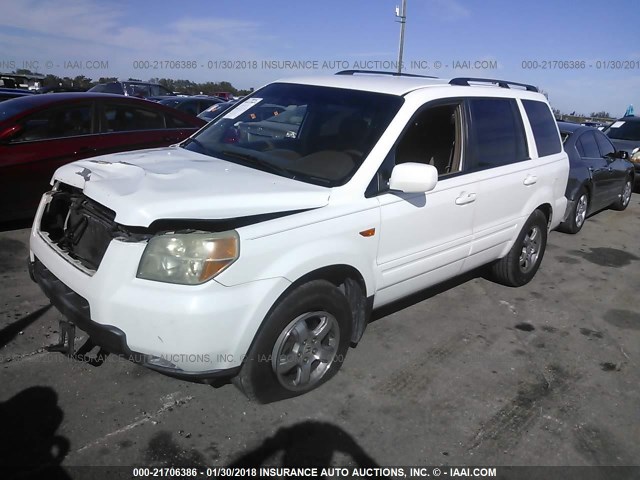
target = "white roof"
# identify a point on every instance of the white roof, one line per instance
(390, 84)
(394, 85)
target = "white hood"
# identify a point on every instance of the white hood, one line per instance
(172, 182)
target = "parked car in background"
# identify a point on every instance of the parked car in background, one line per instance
(7, 93)
(625, 135)
(214, 110)
(600, 175)
(279, 122)
(39, 133)
(59, 89)
(226, 96)
(132, 89)
(191, 105)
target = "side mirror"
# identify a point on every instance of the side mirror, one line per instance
(11, 132)
(413, 178)
(623, 154)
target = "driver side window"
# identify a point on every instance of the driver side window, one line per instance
(433, 137)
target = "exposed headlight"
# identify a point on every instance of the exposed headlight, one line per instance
(188, 258)
(635, 155)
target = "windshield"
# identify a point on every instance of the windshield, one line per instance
(314, 134)
(624, 130)
(107, 88)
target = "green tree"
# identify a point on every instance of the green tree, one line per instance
(51, 81)
(82, 82)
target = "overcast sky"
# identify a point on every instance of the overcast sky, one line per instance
(232, 40)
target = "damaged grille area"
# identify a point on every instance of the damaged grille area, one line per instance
(80, 227)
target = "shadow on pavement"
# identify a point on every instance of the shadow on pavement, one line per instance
(9, 332)
(29, 446)
(307, 444)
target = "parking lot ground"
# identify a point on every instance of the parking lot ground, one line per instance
(470, 373)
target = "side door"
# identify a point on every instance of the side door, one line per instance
(599, 169)
(617, 167)
(425, 237)
(45, 141)
(504, 175)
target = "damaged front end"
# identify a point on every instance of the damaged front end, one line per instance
(81, 229)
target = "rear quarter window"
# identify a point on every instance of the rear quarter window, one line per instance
(544, 127)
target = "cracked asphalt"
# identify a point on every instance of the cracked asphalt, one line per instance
(468, 373)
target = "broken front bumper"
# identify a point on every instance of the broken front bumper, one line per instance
(189, 331)
(76, 310)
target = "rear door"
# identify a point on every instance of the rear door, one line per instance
(503, 174)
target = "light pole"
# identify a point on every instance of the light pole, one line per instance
(402, 15)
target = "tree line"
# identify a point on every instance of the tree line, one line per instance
(188, 87)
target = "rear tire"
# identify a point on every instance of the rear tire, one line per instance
(301, 344)
(520, 265)
(575, 221)
(625, 195)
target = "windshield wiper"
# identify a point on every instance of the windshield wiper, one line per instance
(270, 167)
(202, 146)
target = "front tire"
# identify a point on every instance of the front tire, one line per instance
(520, 265)
(301, 344)
(574, 222)
(625, 195)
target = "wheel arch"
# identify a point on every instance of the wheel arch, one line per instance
(352, 284)
(547, 211)
(345, 277)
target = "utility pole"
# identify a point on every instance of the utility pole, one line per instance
(402, 15)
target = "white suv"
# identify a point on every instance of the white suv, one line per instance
(259, 253)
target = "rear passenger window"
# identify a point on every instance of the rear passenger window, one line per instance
(587, 146)
(544, 127)
(496, 133)
(123, 118)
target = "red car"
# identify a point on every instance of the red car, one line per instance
(39, 133)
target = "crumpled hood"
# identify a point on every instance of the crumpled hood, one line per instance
(171, 183)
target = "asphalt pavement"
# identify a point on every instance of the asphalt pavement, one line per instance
(468, 373)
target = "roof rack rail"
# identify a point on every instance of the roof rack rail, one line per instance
(377, 72)
(501, 83)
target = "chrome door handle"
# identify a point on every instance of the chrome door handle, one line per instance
(530, 180)
(465, 198)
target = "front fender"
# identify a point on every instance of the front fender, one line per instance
(297, 245)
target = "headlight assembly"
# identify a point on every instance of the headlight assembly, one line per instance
(188, 258)
(635, 155)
